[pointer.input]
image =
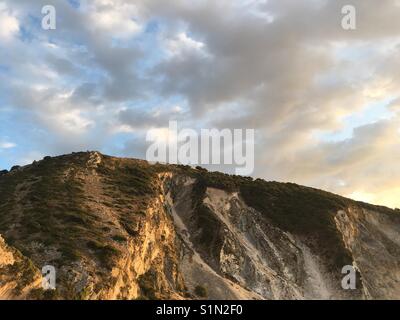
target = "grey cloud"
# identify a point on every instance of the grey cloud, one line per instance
(140, 119)
(289, 78)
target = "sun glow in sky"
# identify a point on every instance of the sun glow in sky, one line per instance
(324, 101)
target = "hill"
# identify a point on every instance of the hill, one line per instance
(118, 228)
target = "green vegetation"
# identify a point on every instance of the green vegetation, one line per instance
(47, 200)
(303, 211)
(53, 206)
(209, 237)
(129, 184)
(41, 294)
(200, 291)
(128, 178)
(147, 284)
(119, 238)
(104, 252)
(22, 269)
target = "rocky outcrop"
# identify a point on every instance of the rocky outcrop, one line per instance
(18, 276)
(374, 241)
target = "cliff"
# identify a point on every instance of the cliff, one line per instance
(117, 228)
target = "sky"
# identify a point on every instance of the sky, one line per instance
(324, 101)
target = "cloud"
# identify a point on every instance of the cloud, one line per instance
(7, 145)
(114, 18)
(9, 25)
(324, 101)
(181, 44)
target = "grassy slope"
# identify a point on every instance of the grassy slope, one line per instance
(48, 203)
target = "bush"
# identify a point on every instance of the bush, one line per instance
(147, 284)
(200, 291)
(119, 238)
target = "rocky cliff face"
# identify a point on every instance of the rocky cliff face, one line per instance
(18, 276)
(124, 229)
(373, 239)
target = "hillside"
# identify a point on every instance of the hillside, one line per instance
(117, 228)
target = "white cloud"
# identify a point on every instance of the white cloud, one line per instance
(9, 25)
(114, 18)
(73, 121)
(7, 145)
(182, 43)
